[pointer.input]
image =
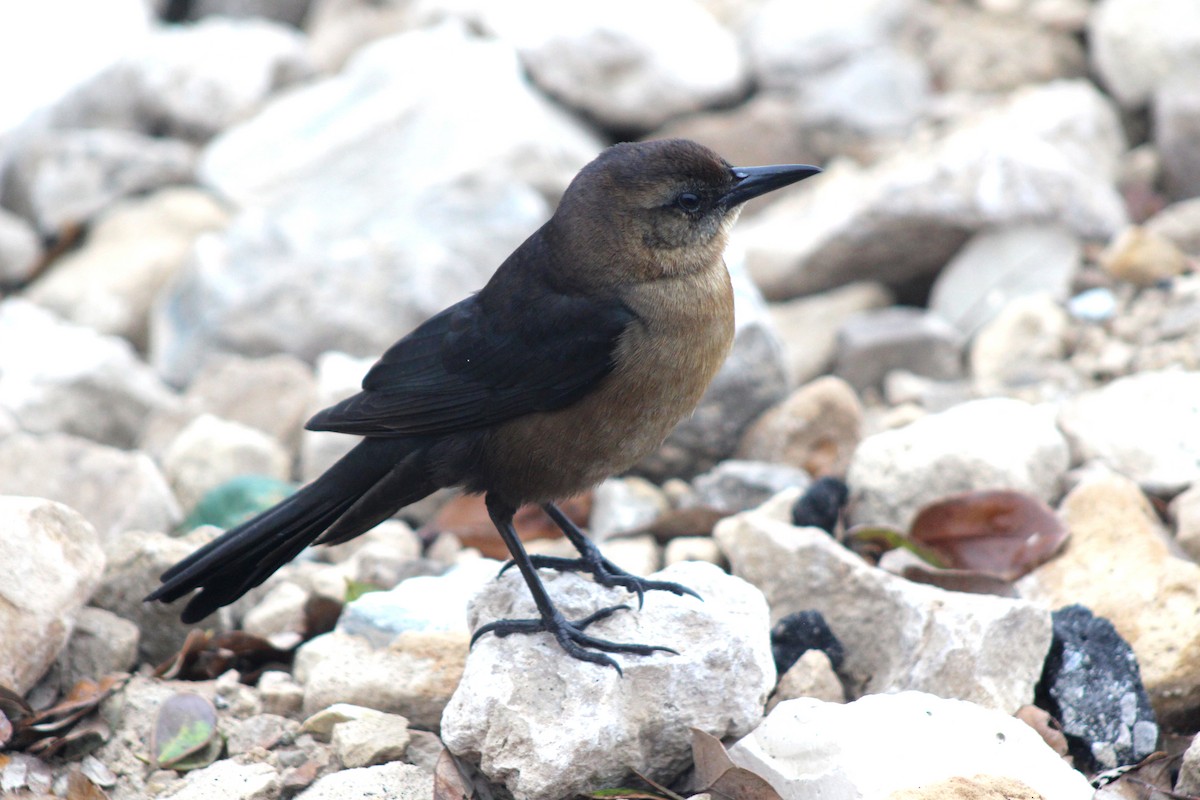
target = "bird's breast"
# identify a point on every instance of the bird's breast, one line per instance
(663, 363)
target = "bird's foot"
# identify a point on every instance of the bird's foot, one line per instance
(606, 573)
(571, 637)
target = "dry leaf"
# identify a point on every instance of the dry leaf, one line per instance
(80, 788)
(717, 775)
(1047, 727)
(448, 781)
(999, 532)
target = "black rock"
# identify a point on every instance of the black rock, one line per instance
(821, 506)
(1092, 685)
(796, 634)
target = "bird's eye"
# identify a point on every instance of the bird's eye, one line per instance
(688, 201)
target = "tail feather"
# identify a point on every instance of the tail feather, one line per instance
(368, 485)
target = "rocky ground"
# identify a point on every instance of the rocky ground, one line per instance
(984, 318)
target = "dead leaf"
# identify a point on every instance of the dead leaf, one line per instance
(1047, 727)
(716, 774)
(448, 781)
(740, 783)
(184, 732)
(1149, 779)
(80, 740)
(710, 759)
(80, 788)
(998, 532)
(205, 656)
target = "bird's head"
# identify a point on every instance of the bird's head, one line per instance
(671, 202)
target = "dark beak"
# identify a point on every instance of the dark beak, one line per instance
(753, 181)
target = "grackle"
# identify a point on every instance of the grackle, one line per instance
(585, 348)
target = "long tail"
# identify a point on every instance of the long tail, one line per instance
(368, 485)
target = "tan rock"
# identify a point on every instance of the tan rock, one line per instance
(1142, 258)
(811, 676)
(1118, 564)
(815, 428)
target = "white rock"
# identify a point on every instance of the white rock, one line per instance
(68, 378)
(355, 190)
(547, 725)
(999, 265)
(376, 739)
(211, 451)
(1044, 153)
(808, 325)
(132, 250)
(816, 428)
(811, 676)
(881, 745)
(115, 490)
(627, 64)
(996, 443)
(171, 84)
(280, 694)
(415, 675)
(623, 504)
(1145, 426)
(62, 178)
(338, 376)
(1027, 336)
(229, 780)
(897, 634)
(1185, 510)
(691, 548)
(19, 249)
(53, 559)
(51, 57)
(280, 611)
(1138, 45)
(394, 781)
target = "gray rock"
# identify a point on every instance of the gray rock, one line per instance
(752, 379)
(1043, 153)
(264, 731)
(229, 780)
(289, 12)
(1138, 45)
(19, 249)
(810, 748)
(171, 85)
(623, 504)
(338, 376)
(75, 380)
(1176, 129)
(999, 265)
(808, 325)
(1022, 344)
(135, 561)
(132, 250)
(101, 644)
(1179, 222)
(275, 394)
(898, 635)
(374, 220)
(995, 443)
(62, 178)
(54, 560)
(211, 451)
(1189, 770)
(1145, 426)
(816, 428)
(736, 485)
(115, 490)
(280, 694)
(970, 49)
(395, 781)
(628, 65)
(588, 726)
(873, 343)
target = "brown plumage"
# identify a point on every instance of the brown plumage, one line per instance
(587, 346)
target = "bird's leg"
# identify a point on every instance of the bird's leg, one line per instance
(570, 635)
(602, 570)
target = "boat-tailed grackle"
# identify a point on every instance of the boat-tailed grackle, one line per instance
(585, 348)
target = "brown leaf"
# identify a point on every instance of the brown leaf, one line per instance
(999, 532)
(1047, 727)
(75, 743)
(320, 615)
(205, 656)
(1149, 779)
(196, 641)
(80, 788)
(740, 783)
(448, 781)
(710, 759)
(12, 705)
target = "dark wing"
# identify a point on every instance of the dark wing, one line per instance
(472, 366)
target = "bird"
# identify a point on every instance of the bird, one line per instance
(584, 349)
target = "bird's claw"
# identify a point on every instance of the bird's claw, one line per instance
(606, 573)
(571, 637)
